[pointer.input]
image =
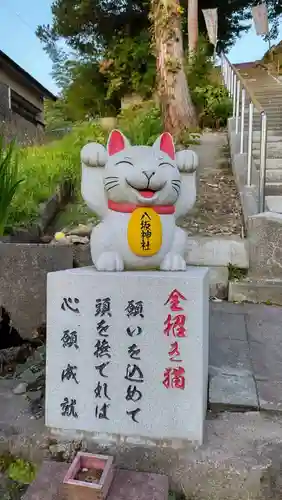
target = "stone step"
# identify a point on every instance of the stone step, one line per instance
(273, 188)
(271, 137)
(257, 127)
(265, 92)
(272, 121)
(273, 175)
(271, 164)
(256, 291)
(272, 148)
(270, 156)
(273, 109)
(271, 113)
(267, 97)
(274, 204)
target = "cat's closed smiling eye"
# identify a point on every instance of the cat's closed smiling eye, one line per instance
(125, 162)
(165, 164)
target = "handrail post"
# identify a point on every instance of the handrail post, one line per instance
(237, 107)
(262, 171)
(224, 71)
(229, 79)
(234, 86)
(242, 121)
(250, 144)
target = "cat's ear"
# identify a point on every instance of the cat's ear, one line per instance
(165, 144)
(117, 142)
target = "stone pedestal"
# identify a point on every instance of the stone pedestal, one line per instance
(127, 353)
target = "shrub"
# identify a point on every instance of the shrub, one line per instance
(213, 104)
(199, 68)
(142, 123)
(129, 66)
(21, 471)
(209, 96)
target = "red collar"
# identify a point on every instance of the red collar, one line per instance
(128, 208)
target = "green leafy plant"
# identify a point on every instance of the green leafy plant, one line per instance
(188, 138)
(141, 123)
(129, 66)
(21, 471)
(44, 167)
(236, 273)
(213, 104)
(9, 180)
(208, 94)
(199, 68)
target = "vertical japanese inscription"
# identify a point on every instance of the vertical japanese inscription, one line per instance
(102, 353)
(175, 328)
(146, 231)
(69, 340)
(133, 373)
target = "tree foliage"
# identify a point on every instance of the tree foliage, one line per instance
(89, 25)
(106, 49)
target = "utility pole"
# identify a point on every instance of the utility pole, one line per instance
(193, 26)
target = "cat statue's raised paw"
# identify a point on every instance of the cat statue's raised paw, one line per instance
(138, 192)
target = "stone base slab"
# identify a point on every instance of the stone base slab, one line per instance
(134, 316)
(201, 251)
(261, 291)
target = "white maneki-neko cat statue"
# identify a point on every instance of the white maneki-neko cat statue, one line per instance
(138, 192)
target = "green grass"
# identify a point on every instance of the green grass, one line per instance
(42, 168)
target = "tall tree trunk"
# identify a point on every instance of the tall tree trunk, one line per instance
(177, 107)
(193, 26)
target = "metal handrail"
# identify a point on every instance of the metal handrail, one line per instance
(238, 89)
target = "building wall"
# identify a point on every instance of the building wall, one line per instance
(29, 94)
(13, 125)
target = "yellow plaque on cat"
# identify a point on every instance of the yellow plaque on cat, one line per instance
(144, 232)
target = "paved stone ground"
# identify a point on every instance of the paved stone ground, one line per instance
(246, 356)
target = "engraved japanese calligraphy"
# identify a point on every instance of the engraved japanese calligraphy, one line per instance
(175, 327)
(134, 373)
(102, 354)
(69, 340)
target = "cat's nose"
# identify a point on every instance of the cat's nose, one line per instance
(148, 173)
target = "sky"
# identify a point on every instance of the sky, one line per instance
(20, 18)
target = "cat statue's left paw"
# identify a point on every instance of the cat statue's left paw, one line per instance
(109, 261)
(173, 262)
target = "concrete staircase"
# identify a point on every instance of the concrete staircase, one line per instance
(263, 230)
(268, 92)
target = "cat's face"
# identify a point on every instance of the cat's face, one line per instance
(140, 174)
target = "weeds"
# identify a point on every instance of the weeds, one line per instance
(236, 273)
(9, 181)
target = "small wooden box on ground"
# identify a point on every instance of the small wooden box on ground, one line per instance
(77, 489)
